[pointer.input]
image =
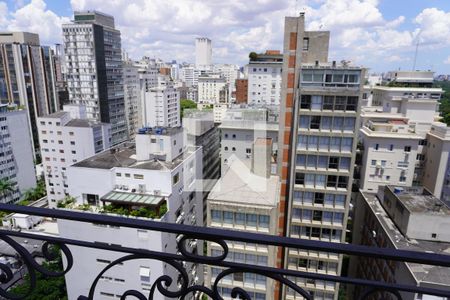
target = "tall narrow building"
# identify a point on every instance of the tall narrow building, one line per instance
(318, 130)
(27, 77)
(93, 60)
(203, 53)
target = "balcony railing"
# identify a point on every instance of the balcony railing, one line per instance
(165, 285)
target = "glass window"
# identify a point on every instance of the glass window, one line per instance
(301, 160)
(316, 102)
(216, 215)
(260, 280)
(309, 179)
(322, 163)
(328, 102)
(327, 216)
(304, 122)
(264, 221)
(324, 143)
(339, 200)
(298, 195)
(320, 181)
(228, 217)
(315, 122)
(312, 142)
(302, 141)
(249, 278)
(305, 102)
(312, 161)
(306, 215)
(326, 123)
(338, 218)
(349, 124)
(262, 260)
(338, 78)
(251, 220)
(329, 199)
(335, 143)
(239, 218)
(338, 123)
(344, 164)
(340, 103)
(308, 197)
(352, 103)
(342, 182)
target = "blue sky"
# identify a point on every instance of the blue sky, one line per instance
(378, 34)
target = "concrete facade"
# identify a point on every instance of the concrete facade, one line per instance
(93, 58)
(68, 137)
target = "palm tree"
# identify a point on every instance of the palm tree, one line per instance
(6, 187)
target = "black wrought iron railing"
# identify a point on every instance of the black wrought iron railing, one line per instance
(168, 286)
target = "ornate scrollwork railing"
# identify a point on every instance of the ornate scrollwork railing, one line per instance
(165, 284)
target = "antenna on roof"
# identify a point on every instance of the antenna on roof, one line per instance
(417, 50)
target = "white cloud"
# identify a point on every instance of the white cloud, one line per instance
(34, 17)
(447, 61)
(166, 29)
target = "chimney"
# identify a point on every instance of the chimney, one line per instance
(261, 156)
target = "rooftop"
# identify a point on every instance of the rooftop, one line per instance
(419, 200)
(423, 273)
(239, 185)
(124, 156)
(81, 123)
(56, 115)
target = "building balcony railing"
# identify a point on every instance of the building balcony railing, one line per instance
(179, 288)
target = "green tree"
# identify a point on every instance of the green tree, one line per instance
(35, 193)
(253, 56)
(186, 104)
(444, 105)
(6, 187)
(48, 288)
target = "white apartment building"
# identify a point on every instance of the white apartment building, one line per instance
(203, 53)
(16, 153)
(132, 96)
(212, 89)
(157, 172)
(67, 137)
(189, 75)
(264, 79)
(230, 73)
(246, 200)
(395, 131)
(92, 48)
(239, 130)
(161, 105)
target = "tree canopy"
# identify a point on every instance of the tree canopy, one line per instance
(186, 104)
(444, 106)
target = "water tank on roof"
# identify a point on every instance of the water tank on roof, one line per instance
(398, 190)
(158, 130)
(141, 131)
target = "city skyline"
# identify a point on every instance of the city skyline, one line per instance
(370, 33)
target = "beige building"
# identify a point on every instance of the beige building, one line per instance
(319, 121)
(246, 200)
(400, 133)
(401, 218)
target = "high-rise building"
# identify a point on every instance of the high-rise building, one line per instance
(203, 53)
(155, 178)
(93, 59)
(264, 78)
(67, 137)
(27, 77)
(132, 96)
(189, 75)
(246, 200)
(16, 154)
(213, 89)
(201, 131)
(161, 105)
(319, 121)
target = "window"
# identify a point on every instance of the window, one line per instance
(423, 142)
(318, 198)
(331, 181)
(248, 150)
(352, 103)
(264, 221)
(216, 215)
(299, 178)
(315, 122)
(340, 103)
(138, 176)
(251, 220)
(333, 162)
(228, 217)
(305, 102)
(60, 142)
(305, 44)
(233, 149)
(176, 178)
(234, 136)
(72, 143)
(377, 146)
(343, 182)
(328, 102)
(433, 235)
(407, 148)
(226, 148)
(239, 218)
(225, 135)
(144, 273)
(391, 147)
(374, 162)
